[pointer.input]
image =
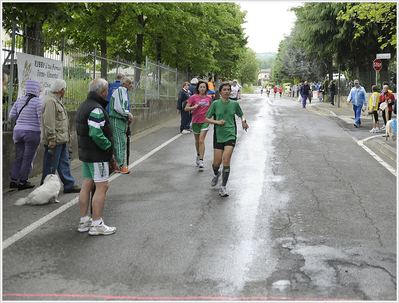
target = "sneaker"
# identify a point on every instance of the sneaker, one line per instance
(197, 160)
(13, 185)
(215, 179)
(122, 170)
(185, 131)
(84, 226)
(377, 130)
(383, 128)
(223, 192)
(372, 130)
(26, 185)
(74, 190)
(101, 229)
(201, 164)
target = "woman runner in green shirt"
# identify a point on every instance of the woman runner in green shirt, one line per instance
(225, 133)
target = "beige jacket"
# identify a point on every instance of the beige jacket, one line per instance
(55, 122)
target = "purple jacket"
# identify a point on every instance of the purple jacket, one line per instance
(31, 116)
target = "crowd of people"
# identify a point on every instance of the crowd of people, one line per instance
(102, 126)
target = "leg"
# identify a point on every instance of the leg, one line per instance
(32, 142)
(197, 138)
(84, 197)
(19, 154)
(99, 199)
(64, 169)
(119, 130)
(201, 143)
(50, 162)
(358, 112)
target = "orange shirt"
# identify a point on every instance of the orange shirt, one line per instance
(211, 87)
(280, 89)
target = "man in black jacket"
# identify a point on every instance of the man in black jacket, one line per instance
(95, 142)
(305, 91)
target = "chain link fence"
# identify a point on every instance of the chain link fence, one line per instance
(150, 80)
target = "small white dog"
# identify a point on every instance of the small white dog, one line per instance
(390, 130)
(47, 192)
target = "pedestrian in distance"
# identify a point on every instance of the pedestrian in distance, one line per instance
(357, 96)
(235, 89)
(225, 134)
(275, 91)
(261, 90)
(199, 104)
(332, 91)
(114, 86)
(211, 86)
(95, 142)
(184, 95)
(193, 86)
(388, 98)
(280, 91)
(27, 112)
(373, 109)
(305, 91)
(120, 118)
(55, 136)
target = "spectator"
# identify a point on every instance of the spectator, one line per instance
(305, 91)
(114, 86)
(95, 140)
(55, 136)
(120, 117)
(193, 86)
(199, 104)
(373, 109)
(389, 99)
(332, 91)
(211, 86)
(27, 111)
(235, 89)
(184, 94)
(225, 134)
(357, 96)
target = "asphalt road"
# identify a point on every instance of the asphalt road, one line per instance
(311, 215)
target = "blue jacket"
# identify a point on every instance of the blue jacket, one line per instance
(357, 96)
(112, 86)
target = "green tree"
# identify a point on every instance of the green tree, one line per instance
(248, 67)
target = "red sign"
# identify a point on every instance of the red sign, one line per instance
(377, 64)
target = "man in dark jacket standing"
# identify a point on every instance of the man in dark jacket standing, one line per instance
(332, 91)
(95, 142)
(305, 90)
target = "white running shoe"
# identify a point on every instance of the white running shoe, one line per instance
(372, 130)
(383, 128)
(377, 130)
(223, 192)
(197, 160)
(201, 164)
(185, 131)
(84, 226)
(215, 179)
(101, 229)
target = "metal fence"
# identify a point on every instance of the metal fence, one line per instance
(150, 80)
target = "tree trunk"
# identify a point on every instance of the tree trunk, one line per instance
(33, 43)
(103, 46)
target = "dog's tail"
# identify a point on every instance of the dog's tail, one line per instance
(20, 201)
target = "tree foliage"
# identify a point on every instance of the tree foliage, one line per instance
(197, 37)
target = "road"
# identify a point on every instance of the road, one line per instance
(311, 216)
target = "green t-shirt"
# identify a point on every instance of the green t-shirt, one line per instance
(225, 111)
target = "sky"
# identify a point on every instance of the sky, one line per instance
(267, 23)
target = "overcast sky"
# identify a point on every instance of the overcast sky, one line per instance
(267, 23)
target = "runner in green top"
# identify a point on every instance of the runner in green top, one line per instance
(225, 133)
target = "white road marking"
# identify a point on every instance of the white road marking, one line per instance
(22, 233)
(375, 156)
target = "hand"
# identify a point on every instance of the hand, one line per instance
(52, 144)
(245, 126)
(70, 138)
(195, 106)
(179, 112)
(222, 122)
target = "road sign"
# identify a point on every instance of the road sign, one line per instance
(377, 64)
(383, 56)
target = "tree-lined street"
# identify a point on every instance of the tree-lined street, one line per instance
(311, 215)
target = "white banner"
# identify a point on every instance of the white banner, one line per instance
(39, 69)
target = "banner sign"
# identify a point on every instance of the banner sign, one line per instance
(37, 68)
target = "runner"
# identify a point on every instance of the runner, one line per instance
(275, 91)
(225, 134)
